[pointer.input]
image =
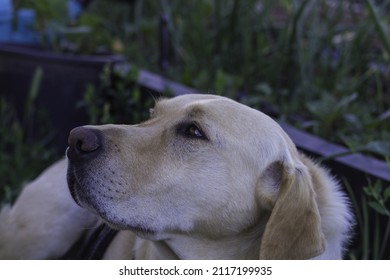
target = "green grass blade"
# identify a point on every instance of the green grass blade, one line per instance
(379, 24)
(33, 93)
(386, 237)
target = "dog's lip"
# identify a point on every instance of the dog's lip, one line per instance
(75, 189)
(73, 185)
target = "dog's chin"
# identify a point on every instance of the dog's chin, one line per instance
(140, 231)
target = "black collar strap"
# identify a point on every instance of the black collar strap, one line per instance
(92, 247)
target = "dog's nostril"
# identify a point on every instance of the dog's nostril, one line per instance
(82, 142)
(79, 143)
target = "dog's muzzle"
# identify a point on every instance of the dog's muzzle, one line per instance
(85, 144)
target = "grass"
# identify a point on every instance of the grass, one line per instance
(25, 148)
(118, 99)
(373, 222)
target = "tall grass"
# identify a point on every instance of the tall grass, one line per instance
(373, 222)
(22, 156)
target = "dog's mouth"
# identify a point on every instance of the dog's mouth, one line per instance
(73, 185)
(84, 197)
(77, 189)
(80, 189)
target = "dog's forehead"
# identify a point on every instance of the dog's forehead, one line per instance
(203, 104)
(184, 101)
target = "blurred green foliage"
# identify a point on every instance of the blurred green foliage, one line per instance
(117, 99)
(22, 156)
(372, 215)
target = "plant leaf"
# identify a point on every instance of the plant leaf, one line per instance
(378, 208)
(379, 24)
(386, 194)
(378, 147)
(367, 191)
(347, 100)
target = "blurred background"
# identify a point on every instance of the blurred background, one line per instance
(321, 66)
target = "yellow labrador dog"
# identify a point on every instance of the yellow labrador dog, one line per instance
(204, 178)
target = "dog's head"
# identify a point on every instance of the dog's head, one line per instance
(203, 165)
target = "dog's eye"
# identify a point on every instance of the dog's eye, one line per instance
(191, 130)
(194, 131)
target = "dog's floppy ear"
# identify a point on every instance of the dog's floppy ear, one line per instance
(293, 230)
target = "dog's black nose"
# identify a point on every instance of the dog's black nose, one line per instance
(84, 143)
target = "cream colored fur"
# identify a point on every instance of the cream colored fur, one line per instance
(242, 191)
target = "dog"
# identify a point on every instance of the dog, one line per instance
(204, 178)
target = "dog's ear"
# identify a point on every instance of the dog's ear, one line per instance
(293, 230)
